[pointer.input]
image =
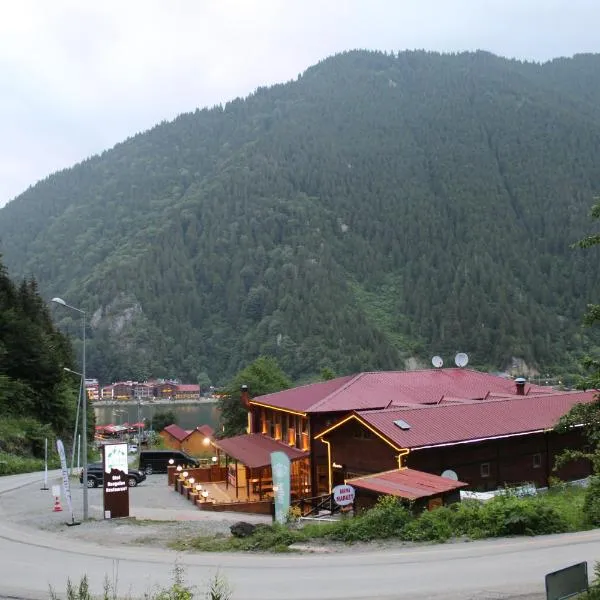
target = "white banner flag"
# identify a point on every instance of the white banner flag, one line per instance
(65, 476)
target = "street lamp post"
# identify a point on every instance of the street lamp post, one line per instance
(83, 409)
(81, 390)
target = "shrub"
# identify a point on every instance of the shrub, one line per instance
(385, 520)
(435, 525)
(508, 515)
(11, 464)
(591, 503)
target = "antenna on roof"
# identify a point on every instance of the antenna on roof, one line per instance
(437, 362)
(461, 360)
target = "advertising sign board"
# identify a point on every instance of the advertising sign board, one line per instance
(116, 490)
(567, 582)
(343, 495)
(280, 466)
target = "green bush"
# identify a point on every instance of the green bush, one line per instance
(437, 525)
(591, 503)
(509, 515)
(504, 515)
(12, 465)
(385, 520)
(24, 437)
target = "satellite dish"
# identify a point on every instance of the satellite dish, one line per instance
(450, 474)
(437, 362)
(461, 360)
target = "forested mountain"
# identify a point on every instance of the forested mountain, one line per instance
(379, 207)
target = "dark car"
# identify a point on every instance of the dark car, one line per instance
(95, 476)
(157, 461)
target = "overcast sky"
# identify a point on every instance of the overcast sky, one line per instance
(76, 77)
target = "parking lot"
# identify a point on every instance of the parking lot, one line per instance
(159, 514)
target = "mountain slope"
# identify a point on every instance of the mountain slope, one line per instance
(377, 208)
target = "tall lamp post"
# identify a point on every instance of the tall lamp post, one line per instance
(83, 410)
(81, 389)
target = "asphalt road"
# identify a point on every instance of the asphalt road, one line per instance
(31, 561)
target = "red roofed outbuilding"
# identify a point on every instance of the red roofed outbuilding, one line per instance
(195, 442)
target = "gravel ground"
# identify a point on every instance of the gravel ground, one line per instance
(160, 515)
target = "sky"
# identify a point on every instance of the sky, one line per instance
(77, 77)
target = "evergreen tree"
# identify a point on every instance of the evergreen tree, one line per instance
(262, 376)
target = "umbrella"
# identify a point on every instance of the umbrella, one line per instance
(140, 425)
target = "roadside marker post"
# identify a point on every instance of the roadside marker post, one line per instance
(45, 484)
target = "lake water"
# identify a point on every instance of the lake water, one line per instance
(188, 416)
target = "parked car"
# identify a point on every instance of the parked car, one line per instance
(157, 461)
(95, 476)
(133, 448)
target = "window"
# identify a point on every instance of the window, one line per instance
(537, 461)
(485, 469)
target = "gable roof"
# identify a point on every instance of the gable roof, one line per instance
(177, 432)
(303, 397)
(461, 423)
(254, 449)
(205, 430)
(376, 390)
(188, 387)
(406, 483)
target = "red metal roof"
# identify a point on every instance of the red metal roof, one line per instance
(188, 387)
(406, 483)
(206, 430)
(394, 388)
(303, 397)
(254, 449)
(454, 423)
(177, 432)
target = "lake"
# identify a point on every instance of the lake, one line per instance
(188, 416)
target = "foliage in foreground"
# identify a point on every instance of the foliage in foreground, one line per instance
(217, 588)
(505, 515)
(586, 416)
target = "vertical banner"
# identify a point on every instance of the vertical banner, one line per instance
(280, 466)
(116, 490)
(65, 476)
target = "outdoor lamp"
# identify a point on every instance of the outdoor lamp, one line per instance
(206, 441)
(179, 469)
(205, 494)
(191, 480)
(171, 461)
(198, 487)
(214, 459)
(185, 474)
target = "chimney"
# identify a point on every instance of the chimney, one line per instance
(245, 396)
(520, 384)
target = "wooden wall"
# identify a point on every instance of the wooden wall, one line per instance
(484, 465)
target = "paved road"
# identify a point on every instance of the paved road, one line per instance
(32, 560)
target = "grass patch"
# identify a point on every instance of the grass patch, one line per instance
(11, 464)
(557, 511)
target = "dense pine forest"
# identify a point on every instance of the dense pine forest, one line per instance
(377, 210)
(37, 397)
